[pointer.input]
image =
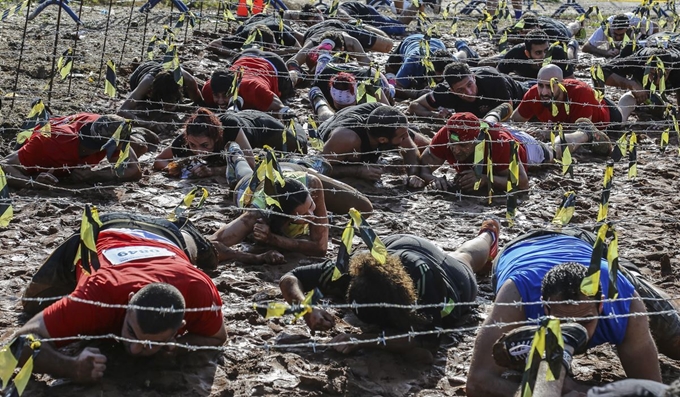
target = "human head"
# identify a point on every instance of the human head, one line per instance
(165, 90)
(152, 325)
(440, 59)
(220, 83)
(387, 125)
(343, 87)
(563, 283)
(461, 81)
(295, 201)
(100, 132)
(372, 282)
(619, 27)
(203, 132)
(545, 91)
(536, 46)
(463, 129)
(263, 36)
(311, 14)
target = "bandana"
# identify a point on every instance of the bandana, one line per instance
(344, 98)
(463, 127)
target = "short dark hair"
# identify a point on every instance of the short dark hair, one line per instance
(384, 121)
(165, 88)
(535, 37)
(530, 21)
(620, 21)
(290, 196)
(455, 72)
(204, 123)
(440, 59)
(221, 80)
(372, 282)
(337, 38)
(158, 296)
(563, 282)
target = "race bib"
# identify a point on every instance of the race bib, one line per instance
(121, 255)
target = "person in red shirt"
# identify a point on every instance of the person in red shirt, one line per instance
(144, 264)
(578, 101)
(72, 147)
(456, 143)
(264, 83)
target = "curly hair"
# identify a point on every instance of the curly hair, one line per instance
(563, 282)
(372, 282)
(205, 123)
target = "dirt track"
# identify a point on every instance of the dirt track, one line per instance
(645, 208)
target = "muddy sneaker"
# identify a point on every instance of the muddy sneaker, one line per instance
(512, 349)
(315, 96)
(462, 45)
(599, 142)
(501, 112)
(665, 327)
(232, 155)
(492, 227)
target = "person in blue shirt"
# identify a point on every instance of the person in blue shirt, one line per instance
(547, 266)
(406, 63)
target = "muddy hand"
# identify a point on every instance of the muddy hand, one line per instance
(468, 179)
(345, 348)
(90, 365)
(261, 231)
(319, 320)
(415, 181)
(200, 171)
(47, 178)
(440, 183)
(273, 258)
(371, 172)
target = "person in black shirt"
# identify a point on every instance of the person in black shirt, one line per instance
(627, 71)
(555, 29)
(416, 271)
(154, 95)
(268, 34)
(476, 90)
(355, 137)
(205, 139)
(261, 128)
(526, 59)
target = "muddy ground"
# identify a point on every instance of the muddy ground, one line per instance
(645, 209)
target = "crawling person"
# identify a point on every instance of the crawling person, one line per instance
(73, 149)
(455, 143)
(299, 225)
(154, 97)
(157, 272)
(356, 136)
(416, 271)
(201, 143)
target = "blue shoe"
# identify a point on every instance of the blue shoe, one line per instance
(462, 45)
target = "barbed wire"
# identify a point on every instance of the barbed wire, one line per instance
(381, 339)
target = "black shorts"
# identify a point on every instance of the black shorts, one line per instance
(615, 116)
